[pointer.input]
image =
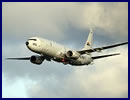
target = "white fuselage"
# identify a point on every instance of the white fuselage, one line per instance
(53, 51)
(50, 50)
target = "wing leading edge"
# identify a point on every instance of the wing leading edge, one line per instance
(24, 58)
(101, 48)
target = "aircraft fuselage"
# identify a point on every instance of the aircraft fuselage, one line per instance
(55, 51)
(50, 50)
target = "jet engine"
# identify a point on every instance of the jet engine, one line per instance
(72, 54)
(37, 59)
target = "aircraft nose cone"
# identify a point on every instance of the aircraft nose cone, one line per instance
(27, 43)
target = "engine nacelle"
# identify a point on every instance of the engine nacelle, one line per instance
(72, 54)
(37, 59)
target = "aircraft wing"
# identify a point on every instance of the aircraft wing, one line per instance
(24, 58)
(103, 56)
(101, 48)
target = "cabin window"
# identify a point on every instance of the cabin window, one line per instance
(34, 44)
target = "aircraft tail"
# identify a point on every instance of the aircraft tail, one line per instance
(89, 42)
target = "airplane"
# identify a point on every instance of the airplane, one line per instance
(52, 51)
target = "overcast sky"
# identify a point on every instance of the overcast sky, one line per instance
(68, 24)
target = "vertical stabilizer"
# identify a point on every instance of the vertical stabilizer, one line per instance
(89, 42)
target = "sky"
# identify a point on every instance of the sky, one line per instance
(67, 24)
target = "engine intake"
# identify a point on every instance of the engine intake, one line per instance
(72, 54)
(37, 59)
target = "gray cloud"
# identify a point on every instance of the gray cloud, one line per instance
(67, 23)
(94, 81)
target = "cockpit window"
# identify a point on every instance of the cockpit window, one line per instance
(33, 39)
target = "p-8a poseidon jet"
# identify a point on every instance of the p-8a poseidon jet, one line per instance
(49, 50)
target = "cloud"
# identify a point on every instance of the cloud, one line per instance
(36, 18)
(68, 24)
(112, 18)
(96, 81)
(8, 87)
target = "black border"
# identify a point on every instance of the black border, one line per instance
(55, 1)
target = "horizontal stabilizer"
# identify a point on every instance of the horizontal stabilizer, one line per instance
(103, 56)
